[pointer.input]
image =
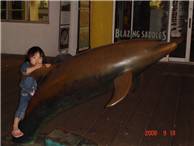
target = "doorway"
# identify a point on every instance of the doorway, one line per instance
(181, 29)
(157, 20)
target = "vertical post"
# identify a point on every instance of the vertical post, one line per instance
(169, 20)
(73, 32)
(113, 21)
(132, 13)
(169, 23)
(189, 31)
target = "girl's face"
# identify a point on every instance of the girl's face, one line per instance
(36, 59)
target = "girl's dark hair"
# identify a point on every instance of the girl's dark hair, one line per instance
(34, 50)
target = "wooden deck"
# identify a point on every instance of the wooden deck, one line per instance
(164, 102)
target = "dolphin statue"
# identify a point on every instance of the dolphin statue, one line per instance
(119, 63)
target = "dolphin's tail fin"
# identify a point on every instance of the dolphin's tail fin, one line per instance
(122, 85)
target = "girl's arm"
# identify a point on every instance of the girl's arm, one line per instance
(47, 65)
(29, 70)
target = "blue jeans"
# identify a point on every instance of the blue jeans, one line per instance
(28, 85)
(23, 104)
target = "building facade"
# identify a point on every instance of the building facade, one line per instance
(75, 26)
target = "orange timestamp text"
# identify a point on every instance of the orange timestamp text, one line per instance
(160, 133)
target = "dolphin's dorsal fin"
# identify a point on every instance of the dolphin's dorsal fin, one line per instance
(122, 84)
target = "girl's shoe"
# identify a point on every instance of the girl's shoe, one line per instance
(32, 93)
(17, 133)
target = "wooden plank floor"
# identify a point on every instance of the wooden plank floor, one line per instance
(164, 102)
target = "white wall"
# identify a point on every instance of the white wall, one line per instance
(17, 38)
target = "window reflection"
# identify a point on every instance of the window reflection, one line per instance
(39, 10)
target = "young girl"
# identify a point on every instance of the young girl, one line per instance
(34, 60)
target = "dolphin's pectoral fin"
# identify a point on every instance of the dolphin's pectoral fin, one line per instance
(122, 84)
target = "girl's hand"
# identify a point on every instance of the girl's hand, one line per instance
(29, 70)
(47, 65)
(38, 66)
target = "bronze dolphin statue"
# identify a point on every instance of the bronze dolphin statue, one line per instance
(119, 62)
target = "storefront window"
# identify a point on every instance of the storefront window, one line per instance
(149, 20)
(3, 9)
(84, 25)
(24, 11)
(123, 20)
(16, 10)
